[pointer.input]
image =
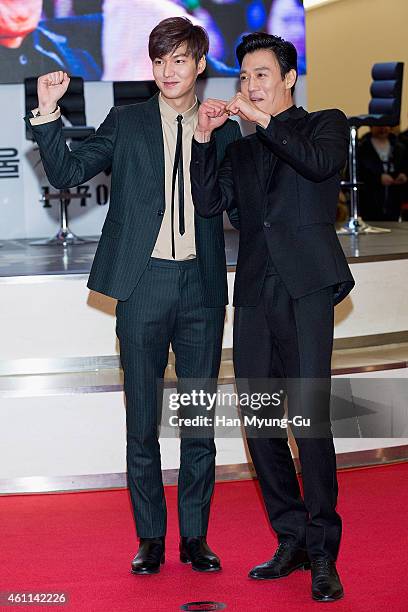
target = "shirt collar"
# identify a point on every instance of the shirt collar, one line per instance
(284, 115)
(171, 115)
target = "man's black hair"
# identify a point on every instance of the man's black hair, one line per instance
(284, 51)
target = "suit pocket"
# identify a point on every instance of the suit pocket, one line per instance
(313, 226)
(111, 228)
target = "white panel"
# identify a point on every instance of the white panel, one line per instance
(78, 434)
(85, 434)
(48, 317)
(56, 318)
(348, 445)
(378, 303)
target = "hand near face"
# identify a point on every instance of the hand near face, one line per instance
(50, 88)
(244, 108)
(211, 115)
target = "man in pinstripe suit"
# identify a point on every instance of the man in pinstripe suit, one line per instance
(164, 264)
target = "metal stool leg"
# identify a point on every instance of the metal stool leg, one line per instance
(355, 225)
(64, 236)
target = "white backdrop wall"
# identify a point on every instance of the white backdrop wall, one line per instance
(22, 178)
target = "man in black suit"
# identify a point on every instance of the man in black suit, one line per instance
(164, 264)
(291, 271)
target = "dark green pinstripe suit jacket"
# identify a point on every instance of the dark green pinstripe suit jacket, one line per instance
(131, 141)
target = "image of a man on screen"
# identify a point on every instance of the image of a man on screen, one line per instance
(127, 24)
(30, 46)
(107, 39)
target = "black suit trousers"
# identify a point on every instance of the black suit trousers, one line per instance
(167, 308)
(286, 338)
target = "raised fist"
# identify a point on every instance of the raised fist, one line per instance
(211, 115)
(50, 88)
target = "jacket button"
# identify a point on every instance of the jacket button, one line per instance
(160, 213)
(267, 224)
(284, 141)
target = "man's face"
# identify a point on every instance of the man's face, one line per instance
(19, 17)
(176, 73)
(261, 81)
(381, 131)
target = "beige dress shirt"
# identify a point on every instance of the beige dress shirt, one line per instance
(184, 245)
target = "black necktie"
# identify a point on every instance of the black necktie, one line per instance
(178, 169)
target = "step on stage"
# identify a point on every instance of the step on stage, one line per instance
(61, 384)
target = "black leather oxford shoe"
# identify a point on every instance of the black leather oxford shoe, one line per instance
(326, 585)
(149, 556)
(197, 552)
(287, 558)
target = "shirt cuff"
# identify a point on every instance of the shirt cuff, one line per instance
(266, 129)
(204, 145)
(41, 119)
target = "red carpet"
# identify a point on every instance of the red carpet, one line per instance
(82, 543)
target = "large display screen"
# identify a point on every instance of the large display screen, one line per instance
(107, 39)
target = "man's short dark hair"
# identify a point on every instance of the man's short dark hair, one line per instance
(173, 32)
(284, 51)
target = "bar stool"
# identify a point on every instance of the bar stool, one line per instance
(384, 109)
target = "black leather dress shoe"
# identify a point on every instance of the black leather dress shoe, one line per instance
(326, 585)
(287, 558)
(149, 556)
(197, 552)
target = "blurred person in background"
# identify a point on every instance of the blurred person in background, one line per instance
(383, 169)
(403, 138)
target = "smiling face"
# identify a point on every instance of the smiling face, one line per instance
(18, 18)
(176, 73)
(261, 82)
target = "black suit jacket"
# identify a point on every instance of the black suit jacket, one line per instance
(131, 141)
(289, 214)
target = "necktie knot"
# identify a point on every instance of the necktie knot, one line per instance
(179, 119)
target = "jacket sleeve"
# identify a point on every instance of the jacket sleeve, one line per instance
(65, 168)
(212, 189)
(316, 158)
(232, 213)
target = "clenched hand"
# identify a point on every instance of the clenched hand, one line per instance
(50, 88)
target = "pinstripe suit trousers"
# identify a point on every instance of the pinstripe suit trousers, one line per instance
(167, 308)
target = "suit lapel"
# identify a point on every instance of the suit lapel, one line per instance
(256, 147)
(257, 159)
(272, 167)
(152, 126)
